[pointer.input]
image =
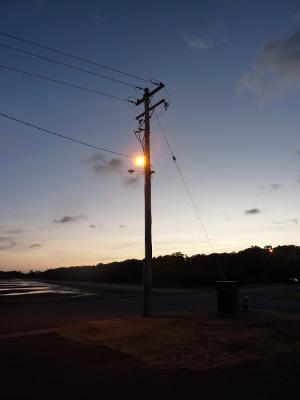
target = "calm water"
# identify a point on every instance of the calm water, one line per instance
(19, 287)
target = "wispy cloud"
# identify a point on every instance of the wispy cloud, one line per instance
(198, 43)
(122, 226)
(12, 231)
(132, 181)
(275, 71)
(99, 226)
(269, 189)
(69, 218)
(7, 242)
(274, 187)
(35, 245)
(286, 221)
(102, 166)
(252, 211)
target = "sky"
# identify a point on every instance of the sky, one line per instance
(231, 69)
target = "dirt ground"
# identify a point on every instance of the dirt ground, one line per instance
(193, 340)
(174, 355)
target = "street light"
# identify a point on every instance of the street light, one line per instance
(140, 161)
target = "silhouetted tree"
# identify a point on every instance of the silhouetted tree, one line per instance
(251, 265)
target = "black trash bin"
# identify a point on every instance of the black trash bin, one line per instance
(228, 298)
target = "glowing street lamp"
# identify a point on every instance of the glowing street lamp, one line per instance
(140, 161)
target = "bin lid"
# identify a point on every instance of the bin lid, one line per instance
(227, 283)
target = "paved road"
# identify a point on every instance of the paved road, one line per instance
(31, 315)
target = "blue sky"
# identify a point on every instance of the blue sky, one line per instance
(231, 69)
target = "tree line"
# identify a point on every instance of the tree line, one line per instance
(252, 265)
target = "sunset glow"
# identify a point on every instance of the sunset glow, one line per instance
(232, 90)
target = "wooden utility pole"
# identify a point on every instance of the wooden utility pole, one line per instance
(144, 119)
(147, 269)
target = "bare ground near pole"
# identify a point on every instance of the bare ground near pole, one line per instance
(173, 355)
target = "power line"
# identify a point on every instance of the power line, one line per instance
(76, 57)
(185, 183)
(190, 195)
(63, 136)
(64, 83)
(52, 60)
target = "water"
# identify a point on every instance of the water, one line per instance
(19, 287)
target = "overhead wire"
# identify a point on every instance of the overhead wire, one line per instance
(64, 53)
(190, 195)
(78, 141)
(96, 92)
(44, 77)
(54, 61)
(140, 139)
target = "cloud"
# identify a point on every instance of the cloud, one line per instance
(35, 245)
(292, 220)
(13, 231)
(66, 219)
(7, 242)
(274, 187)
(122, 226)
(275, 71)
(252, 211)
(98, 226)
(268, 189)
(102, 166)
(197, 42)
(132, 181)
